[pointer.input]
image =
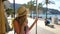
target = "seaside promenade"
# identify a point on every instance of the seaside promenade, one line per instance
(41, 28)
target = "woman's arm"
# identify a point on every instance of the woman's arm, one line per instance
(33, 23)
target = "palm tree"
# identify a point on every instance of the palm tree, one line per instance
(30, 5)
(40, 6)
(48, 2)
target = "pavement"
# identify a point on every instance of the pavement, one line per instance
(41, 28)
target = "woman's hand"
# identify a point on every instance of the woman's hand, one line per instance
(36, 19)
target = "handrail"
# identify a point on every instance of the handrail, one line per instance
(37, 13)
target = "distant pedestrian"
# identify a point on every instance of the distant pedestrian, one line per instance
(47, 22)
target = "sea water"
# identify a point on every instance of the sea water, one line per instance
(44, 15)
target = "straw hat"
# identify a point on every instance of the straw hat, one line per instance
(22, 11)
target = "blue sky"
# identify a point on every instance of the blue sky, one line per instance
(53, 6)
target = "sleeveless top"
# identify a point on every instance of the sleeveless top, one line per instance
(26, 28)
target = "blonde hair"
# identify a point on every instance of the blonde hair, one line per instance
(22, 12)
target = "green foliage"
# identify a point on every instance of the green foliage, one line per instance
(31, 6)
(9, 11)
(40, 6)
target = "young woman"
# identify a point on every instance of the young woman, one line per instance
(20, 22)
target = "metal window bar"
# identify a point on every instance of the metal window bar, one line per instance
(36, 13)
(14, 9)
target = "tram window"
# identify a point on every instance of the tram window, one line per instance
(41, 10)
